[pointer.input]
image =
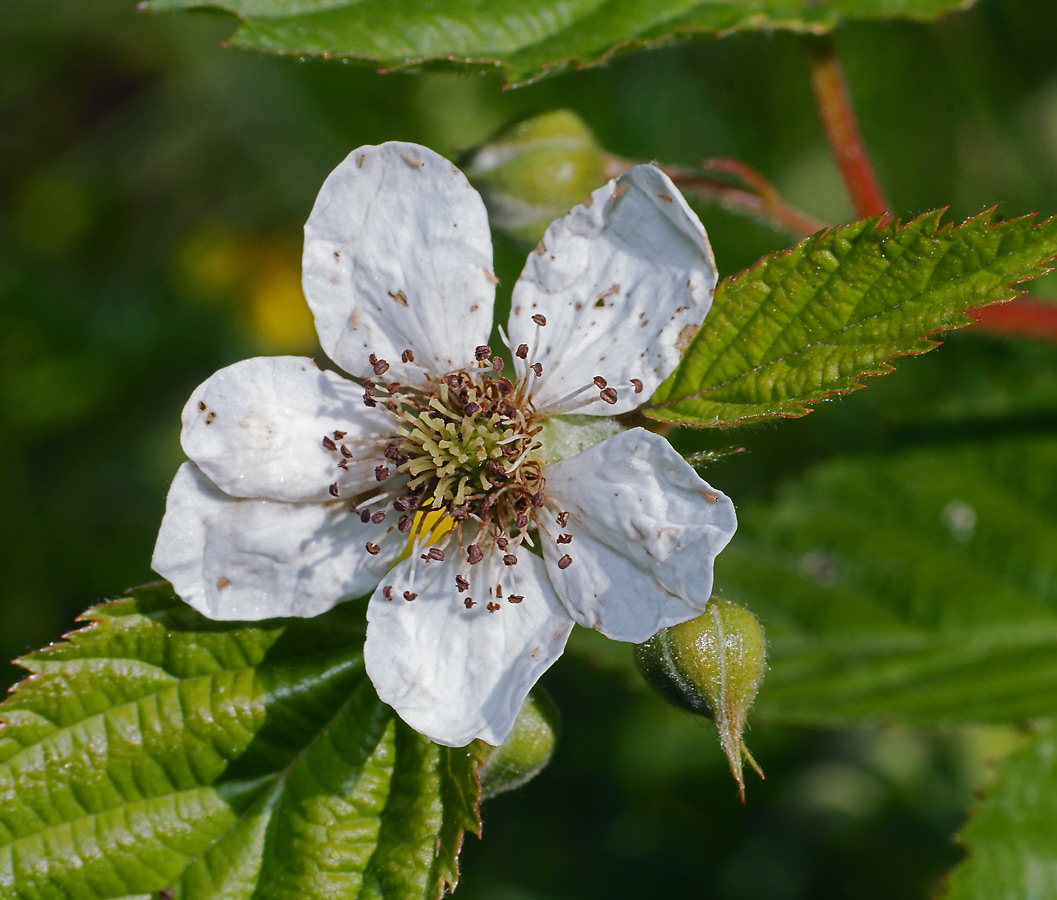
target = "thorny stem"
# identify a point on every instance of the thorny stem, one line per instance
(842, 131)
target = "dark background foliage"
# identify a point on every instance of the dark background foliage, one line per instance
(152, 190)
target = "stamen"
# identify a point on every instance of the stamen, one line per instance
(493, 606)
(522, 351)
(474, 554)
(515, 598)
(609, 395)
(407, 356)
(565, 562)
(373, 549)
(387, 592)
(637, 385)
(409, 596)
(540, 319)
(600, 382)
(468, 603)
(329, 444)
(564, 539)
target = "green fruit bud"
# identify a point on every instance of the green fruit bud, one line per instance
(527, 749)
(713, 666)
(535, 171)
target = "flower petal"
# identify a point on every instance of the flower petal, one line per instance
(398, 256)
(255, 559)
(452, 673)
(646, 530)
(624, 281)
(257, 427)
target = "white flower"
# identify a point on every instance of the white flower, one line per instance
(304, 488)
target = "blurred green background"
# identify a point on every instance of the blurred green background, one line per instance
(152, 192)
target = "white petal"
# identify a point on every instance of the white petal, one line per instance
(398, 256)
(624, 281)
(257, 427)
(255, 559)
(452, 673)
(646, 531)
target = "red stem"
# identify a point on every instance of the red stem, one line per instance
(842, 131)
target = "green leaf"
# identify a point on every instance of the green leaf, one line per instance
(155, 748)
(918, 587)
(527, 39)
(1012, 835)
(810, 322)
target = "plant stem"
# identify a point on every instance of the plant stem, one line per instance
(842, 131)
(1023, 316)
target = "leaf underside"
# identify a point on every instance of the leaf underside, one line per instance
(1012, 834)
(155, 749)
(917, 587)
(526, 39)
(810, 322)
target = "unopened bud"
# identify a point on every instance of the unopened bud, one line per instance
(535, 171)
(527, 749)
(713, 666)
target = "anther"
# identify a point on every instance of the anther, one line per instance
(539, 500)
(365, 516)
(515, 598)
(461, 583)
(502, 543)
(436, 553)
(492, 606)
(407, 356)
(538, 369)
(329, 444)
(564, 539)
(522, 522)
(373, 549)
(367, 383)
(497, 363)
(522, 351)
(468, 603)
(343, 464)
(600, 382)
(346, 452)
(565, 562)
(563, 519)
(338, 435)
(381, 473)
(509, 560)
(482, 352)
(474, 554)
(393, 387)
(471, 408)
(404, 525)
(372, 359)
(392, 453)
(637, 385)
(369, 401)
(378, 517)
(387, 592)
(521, 503)
(499, 591)
(539, 319)
(609, 395)
(381, 367)
(409, 596)
(334, 489)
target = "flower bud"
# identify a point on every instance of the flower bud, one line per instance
(527, 749)
(713, 666)
(535, 171)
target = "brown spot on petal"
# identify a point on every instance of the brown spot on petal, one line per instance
(223, 582)
(400, 297)
(685, 337)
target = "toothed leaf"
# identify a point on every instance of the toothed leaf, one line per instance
(526, 40)
(811, 322)
(156, 749)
